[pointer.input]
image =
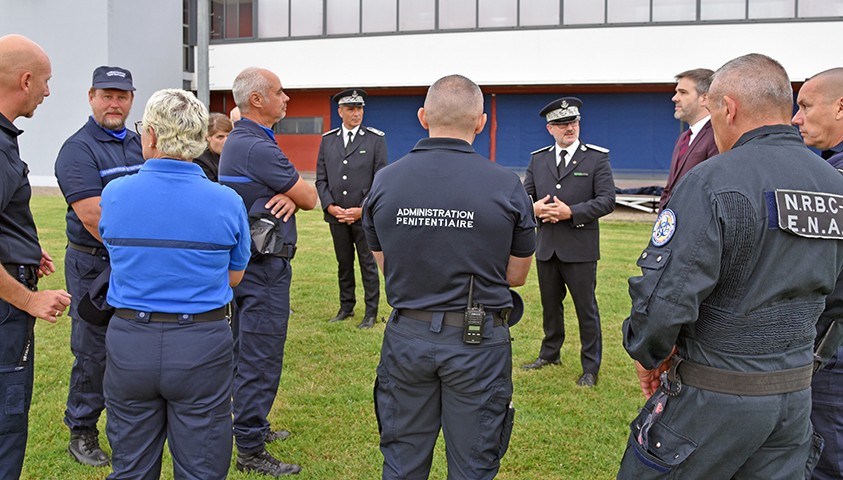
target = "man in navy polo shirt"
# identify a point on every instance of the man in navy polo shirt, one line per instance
(252, 164)
(436, 219)
(102, 150)
(24, 73)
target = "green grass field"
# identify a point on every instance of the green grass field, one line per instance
(325, 398)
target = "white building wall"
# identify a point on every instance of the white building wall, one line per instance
(80, 35)
(603, 55)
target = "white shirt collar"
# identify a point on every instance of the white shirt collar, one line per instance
(695, 128)
(570, 150)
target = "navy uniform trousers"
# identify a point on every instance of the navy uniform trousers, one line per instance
(85, 401)
(16, 377)
(426, 377)
(581, 279)
(827, 417)
(261, 314)
(169, 381)
(347, 239)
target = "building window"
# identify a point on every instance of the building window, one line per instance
(722, 9)
(539, 12)
(274, 18)
(231, 19)
(629, 11)
(299, 126)
(379, 15)
(343, 17)
(820, 8)
(306, 18)
(583, 12)
(674, 10)
(772, 9)
(498, 13)
(416, 15)
(456, 14)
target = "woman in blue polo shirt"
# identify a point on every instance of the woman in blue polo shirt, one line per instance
(177, 243)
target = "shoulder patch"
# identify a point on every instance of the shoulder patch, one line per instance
(330, 132)
(541, 150)
(375, 131)
(597, 147)
(664, 227)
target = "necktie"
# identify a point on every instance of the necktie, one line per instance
(348, 143)
(560, 167)
(684, 142)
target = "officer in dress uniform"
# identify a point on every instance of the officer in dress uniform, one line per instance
(349, 156)
(435, 219)
(739, 268)
(99, 152)
(572, 186)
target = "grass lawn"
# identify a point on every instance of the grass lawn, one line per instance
(325, 398)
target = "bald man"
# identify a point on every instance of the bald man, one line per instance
(739, 268)
(472, 223)
(820, 121)
(24, 73)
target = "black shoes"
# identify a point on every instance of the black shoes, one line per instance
(276, 435)
(264, 463)
(587, 380)
(341, 315)
(368, 322)
(539, 363)
(85, 448)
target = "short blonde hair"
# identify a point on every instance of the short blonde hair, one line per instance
(180, 122)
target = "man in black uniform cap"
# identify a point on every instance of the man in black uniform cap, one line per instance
(732, 285)
(572, 186)
(348, 158)
(438, 220)
(24, 73)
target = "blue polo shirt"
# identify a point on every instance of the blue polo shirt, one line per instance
(441, 214)
(172, 237)
(255, 167)
(87, 161)
(18, 236)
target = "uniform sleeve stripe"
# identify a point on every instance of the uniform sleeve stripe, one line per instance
(116, 170)
(234, 179)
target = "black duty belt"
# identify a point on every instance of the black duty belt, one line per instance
(25, 274)
(740, 383)
(221, 313)
(86, 249)
(452, 319)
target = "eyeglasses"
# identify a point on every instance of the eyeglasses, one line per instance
(139, 127)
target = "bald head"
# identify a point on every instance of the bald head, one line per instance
(820, 114)
(747, 93)
(24, 72)
(453, 107)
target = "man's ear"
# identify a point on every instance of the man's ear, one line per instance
(481, 123)
(255, 100)
(423, 119)
(730, 105)
(838, 104)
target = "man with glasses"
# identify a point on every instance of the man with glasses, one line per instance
(572, 186)
(102, 150)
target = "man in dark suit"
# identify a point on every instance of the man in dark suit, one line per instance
(348, 158)
(696, 144)
(572, 186)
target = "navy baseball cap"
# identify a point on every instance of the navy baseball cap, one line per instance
(113, 77)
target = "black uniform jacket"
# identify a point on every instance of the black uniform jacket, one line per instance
(345, 177)
(586, 185)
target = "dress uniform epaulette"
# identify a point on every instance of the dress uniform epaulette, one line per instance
(597, 147)
(541, 149)
(330, 132)
(375, 131)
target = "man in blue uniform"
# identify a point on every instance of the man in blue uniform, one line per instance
(102, 150)
(349, 156)
(440, 220)
(572, 186)
(732, 286)
(820, 120)
(24, 73)
(252, 164)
